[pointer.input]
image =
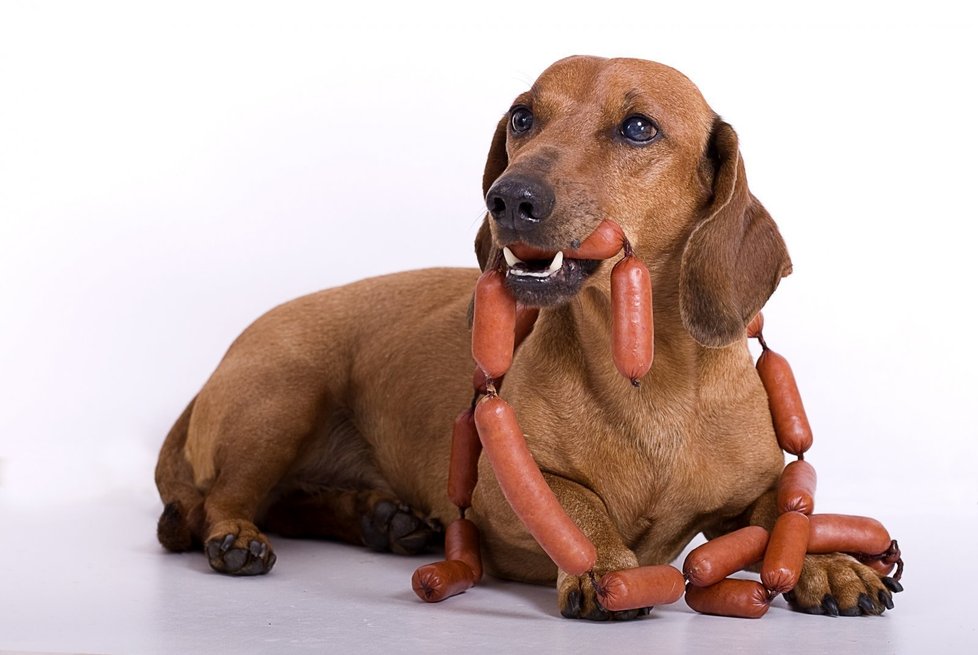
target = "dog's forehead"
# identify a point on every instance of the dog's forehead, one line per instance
(614, 86)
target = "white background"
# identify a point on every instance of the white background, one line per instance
(169, 172)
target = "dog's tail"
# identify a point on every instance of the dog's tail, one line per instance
(182, 522)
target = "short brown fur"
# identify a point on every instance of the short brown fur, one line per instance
(345, 398)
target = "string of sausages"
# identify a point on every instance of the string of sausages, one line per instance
(499, 326)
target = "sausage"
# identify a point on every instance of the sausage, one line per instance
(441, 580)
(884, 563)
(641, 587)
(479, 381)
(839, 533)
(787, 412)
(880, 566)
(785, 552)
(632, 338)
(525, 320)
(526, 490)
(716, 559)
(493, 324)
(796, 488)
(745, 599)
(463, 463)
(462, 544)
(605, 242)
(755, 326)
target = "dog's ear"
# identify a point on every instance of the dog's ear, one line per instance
(735, 257)
(496, 163)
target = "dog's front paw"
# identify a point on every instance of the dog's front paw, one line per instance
(838, 585)
(577, 596)
(237, 548)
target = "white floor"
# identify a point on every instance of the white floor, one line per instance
(91, 579)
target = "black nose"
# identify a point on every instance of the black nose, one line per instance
(519, 202)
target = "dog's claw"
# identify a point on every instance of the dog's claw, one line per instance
(867, 605)
(891, 584)
(805, 609)
(572, 609)
(886, 600)
(227, 543)
(830, 605)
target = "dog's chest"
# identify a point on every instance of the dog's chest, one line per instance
(694, 473)
(668, 469)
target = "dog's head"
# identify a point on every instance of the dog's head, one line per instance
(635, 142)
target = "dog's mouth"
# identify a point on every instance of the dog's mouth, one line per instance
(539, 278)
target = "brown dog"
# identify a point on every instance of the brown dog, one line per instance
(330, 415)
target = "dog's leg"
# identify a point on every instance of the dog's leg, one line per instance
(234, 544)
(180, 526)
(245, 448)
(577, 595)
(834, 584)
(372, 518)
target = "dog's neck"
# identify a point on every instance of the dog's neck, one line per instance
(583, 327)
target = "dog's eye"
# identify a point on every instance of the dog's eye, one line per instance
(521, 119)
(639, 129)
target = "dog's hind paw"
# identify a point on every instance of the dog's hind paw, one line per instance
(838, 585)
(238, 548)
(396, 527)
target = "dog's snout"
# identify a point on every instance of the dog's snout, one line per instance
(519, 202)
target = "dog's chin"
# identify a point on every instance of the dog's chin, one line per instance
(539, 284)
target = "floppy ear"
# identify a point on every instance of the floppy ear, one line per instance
(496, 163)
(734, 258)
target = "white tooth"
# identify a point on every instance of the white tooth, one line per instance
(556, 263)
(511, 259)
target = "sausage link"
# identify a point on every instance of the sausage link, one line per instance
(840, 533)
(756, 326)
(493, 324)
(632, 338)
(526, 490)
(605, 242)
(796, 488)
(462, 544)
(787, 412)
(785, 552)
(641, 587)
(880, 566)
(745, 599)
(525, 320)
(479, 381)
(463, 463)
(441, 580)
(716, 559)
